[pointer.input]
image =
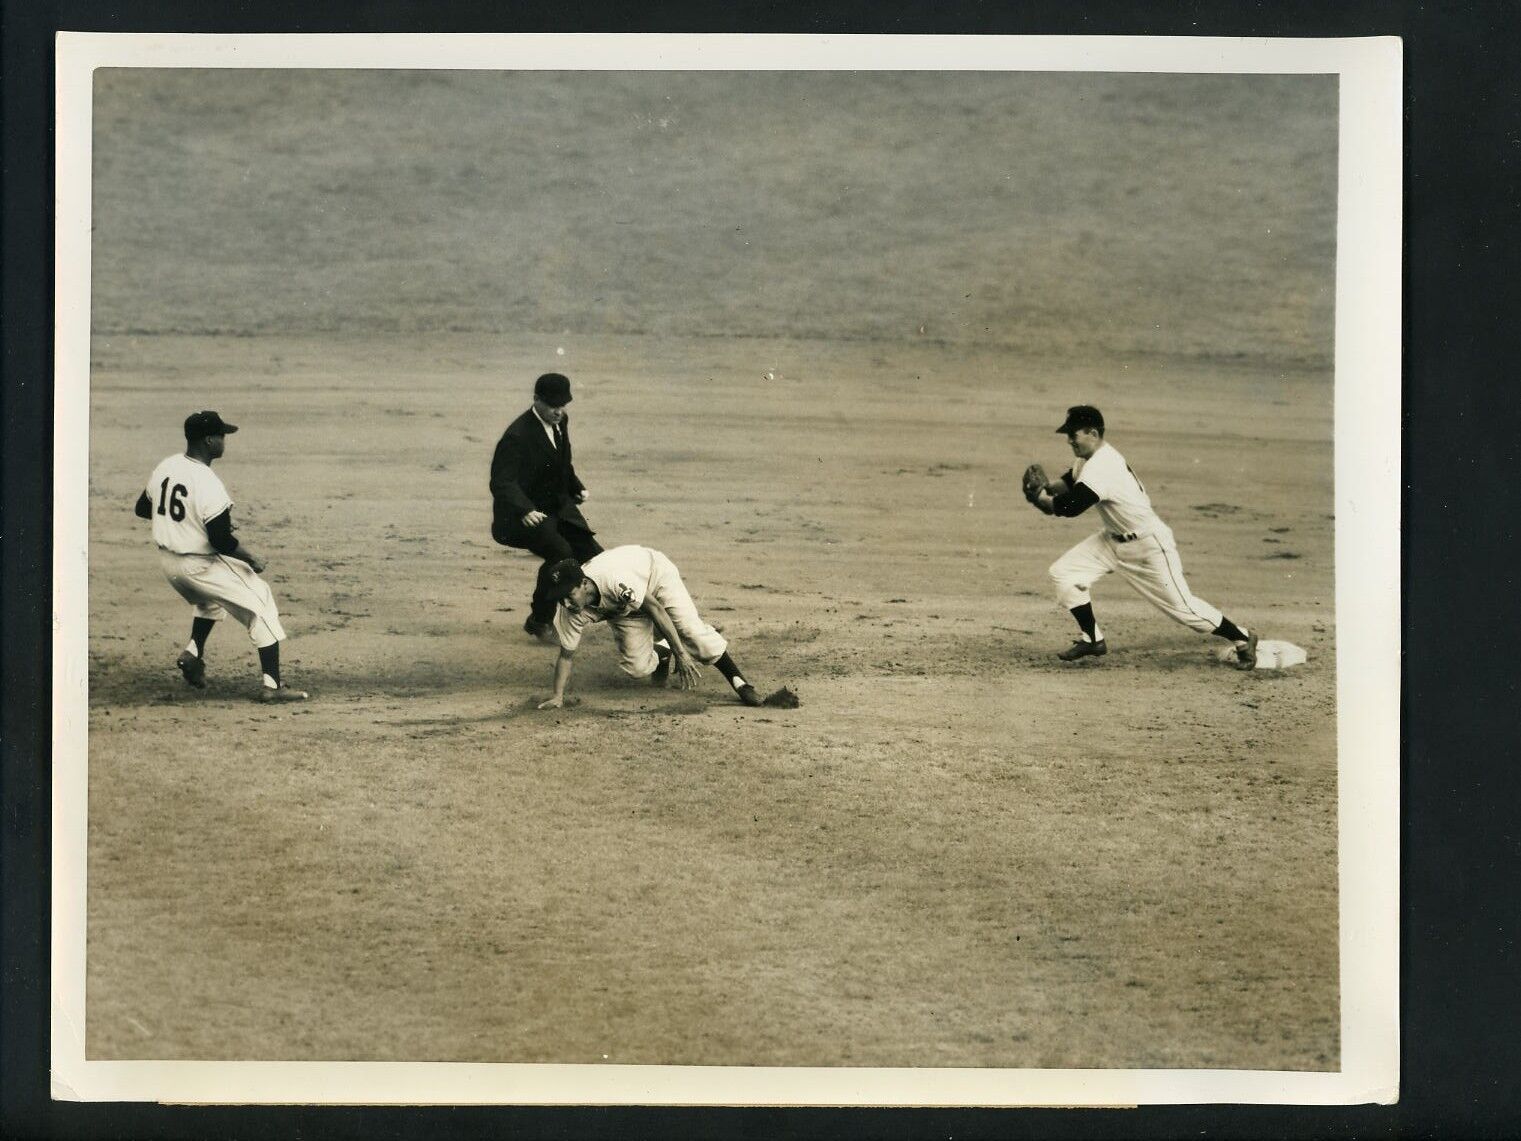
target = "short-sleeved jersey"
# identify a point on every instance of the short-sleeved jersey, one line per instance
(185, 495)
(622, 576)
(1122, 500)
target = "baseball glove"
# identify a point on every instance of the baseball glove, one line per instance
(1034, 482)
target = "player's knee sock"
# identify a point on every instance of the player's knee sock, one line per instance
(727, 667)
(200, 630)
(1228, 629)
(269, 662)
(1085, 620)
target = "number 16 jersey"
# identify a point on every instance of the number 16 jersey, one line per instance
(185, 495)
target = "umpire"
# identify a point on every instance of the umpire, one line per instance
(535, 495)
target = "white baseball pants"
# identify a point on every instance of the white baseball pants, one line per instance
(636, 633)
(1150, 564)
(218, 586)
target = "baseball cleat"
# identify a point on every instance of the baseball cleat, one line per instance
(543, 631)
(193, 668)
(748, 695)
(280, 695)
(1246, 653)
(662, 670)
(1083, 649)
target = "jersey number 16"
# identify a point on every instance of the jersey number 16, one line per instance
(176, 502)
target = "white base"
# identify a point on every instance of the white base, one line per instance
(1271, 655)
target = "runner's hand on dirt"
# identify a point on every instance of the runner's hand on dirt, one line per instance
(685, 673)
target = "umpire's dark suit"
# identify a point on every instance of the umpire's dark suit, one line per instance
(528, 473)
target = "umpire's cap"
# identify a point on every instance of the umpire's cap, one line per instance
(557, 580)
(553, 389)
(199, 425)
(1082, 416)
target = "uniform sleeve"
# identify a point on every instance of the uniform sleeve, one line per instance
(568, 627)
(150, 492)
(219, 533)
(211, 498)
(1098, 473)
(625, 579)
(1071, 503)
(634, 590)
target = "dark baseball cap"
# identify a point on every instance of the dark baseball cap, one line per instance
(201, 424)
(557, 580)
(1082, 416)
(553, 389)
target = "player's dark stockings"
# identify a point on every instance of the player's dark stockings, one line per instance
(1085, 619)
(200, 630)
(727, 667)
(1228, 629)
(269, 661)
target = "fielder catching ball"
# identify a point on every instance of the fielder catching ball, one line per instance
(639, 593)
(202, 558)
(1134, 543)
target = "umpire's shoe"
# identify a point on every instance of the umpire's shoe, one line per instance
(193, 668)
(1082, 648)
(277, 695)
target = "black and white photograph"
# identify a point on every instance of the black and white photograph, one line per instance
(723, 570)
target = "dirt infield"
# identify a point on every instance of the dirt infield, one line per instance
(957, 851)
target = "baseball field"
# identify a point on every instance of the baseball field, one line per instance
(817, 324)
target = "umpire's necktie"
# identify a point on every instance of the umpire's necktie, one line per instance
(559, 439)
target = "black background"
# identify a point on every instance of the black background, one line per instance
(1461, 975)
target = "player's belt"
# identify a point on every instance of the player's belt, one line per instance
(1125, 537)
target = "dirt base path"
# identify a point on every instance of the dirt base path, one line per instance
(957, 852)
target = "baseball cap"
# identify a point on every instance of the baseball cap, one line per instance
(1082, 416)
(553, 389)
(200, 424)
(557, 580)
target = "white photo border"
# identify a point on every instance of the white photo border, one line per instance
(1367, 501)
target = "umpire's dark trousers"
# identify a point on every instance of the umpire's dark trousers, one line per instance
(552, 540)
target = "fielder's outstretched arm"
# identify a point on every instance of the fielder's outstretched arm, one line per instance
(562, 679)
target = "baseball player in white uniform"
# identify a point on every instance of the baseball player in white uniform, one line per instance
(639, 593)
(203, 560)
(1134, 543)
